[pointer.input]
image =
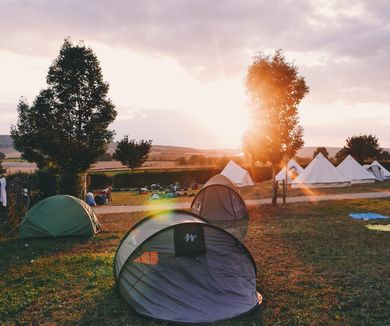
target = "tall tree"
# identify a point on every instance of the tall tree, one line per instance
(362, 148)
(132, 153)
(67, 125)
(275, 90)
(322, 150)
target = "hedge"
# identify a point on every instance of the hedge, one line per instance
(145, 178)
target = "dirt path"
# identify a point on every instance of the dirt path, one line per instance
(250, 202)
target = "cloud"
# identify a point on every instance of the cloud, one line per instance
(341, 47)
(214, 39)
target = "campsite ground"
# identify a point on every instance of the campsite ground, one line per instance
(315, 266)
(260, 190)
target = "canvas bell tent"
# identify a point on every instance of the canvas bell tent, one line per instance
(354, 171)
(375, 171)
(239, 176)
(293, 170)
(174, 266)
(219, 199)
(58, 216)
(384, 172)
(320, 173)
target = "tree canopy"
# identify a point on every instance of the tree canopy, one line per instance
(275, 90)
(132, 153)
(2, 170)
(322, 150)
(66, 127)
(362, 148)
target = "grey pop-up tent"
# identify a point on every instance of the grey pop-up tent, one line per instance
(175, 266)
(219, 199)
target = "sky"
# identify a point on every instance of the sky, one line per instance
(176, 68)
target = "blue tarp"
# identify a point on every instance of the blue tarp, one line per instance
(368, 216)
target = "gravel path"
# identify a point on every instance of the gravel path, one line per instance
(251, 202)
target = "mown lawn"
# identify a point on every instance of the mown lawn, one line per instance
(316, 266)
(260, 190)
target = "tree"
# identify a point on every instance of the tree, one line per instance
(193, 160)
(181, 160)
(67, 125)
(2, 170)
(385, 156)
(2, 157)
(362, 148)
(275, 90)
(132, 153)
(322, 150)
(105, 157)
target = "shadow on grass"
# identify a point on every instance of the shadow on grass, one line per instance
(111, 309)
(15, 251)
(239, 228)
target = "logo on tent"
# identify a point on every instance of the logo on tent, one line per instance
(190, 237)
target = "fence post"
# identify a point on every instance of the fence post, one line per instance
(274, 192)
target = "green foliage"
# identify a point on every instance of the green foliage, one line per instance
(41, 184)
(132, 180)
(181, 161)
(66, 127)
(46, 183)
(2, 170)
(131, 153)
(17, 204)
(385, 156)
(322, 150)
(99, 181)
(275, 91)
(105, 157)
(363, 148)
(2, 156)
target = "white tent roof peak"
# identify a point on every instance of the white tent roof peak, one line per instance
(293, 169)
(354, 171)
(239, 176)
(320, 173)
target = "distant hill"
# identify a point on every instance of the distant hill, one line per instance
(308, 151)
(172, 152)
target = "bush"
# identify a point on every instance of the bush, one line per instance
(17, 203)
(46, 184)
(140, 179)
(99, 181)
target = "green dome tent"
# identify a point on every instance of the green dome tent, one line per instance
(58, 216)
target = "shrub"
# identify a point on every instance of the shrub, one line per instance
(140, 179)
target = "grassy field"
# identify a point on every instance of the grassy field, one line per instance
(316, 266)
(260, 190)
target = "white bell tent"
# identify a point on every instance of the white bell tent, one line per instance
(293, 170)
(354, 171)
(239, 176)
(385, 173)
(320, 173)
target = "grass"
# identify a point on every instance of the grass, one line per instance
(260, 190)
(316, 266)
